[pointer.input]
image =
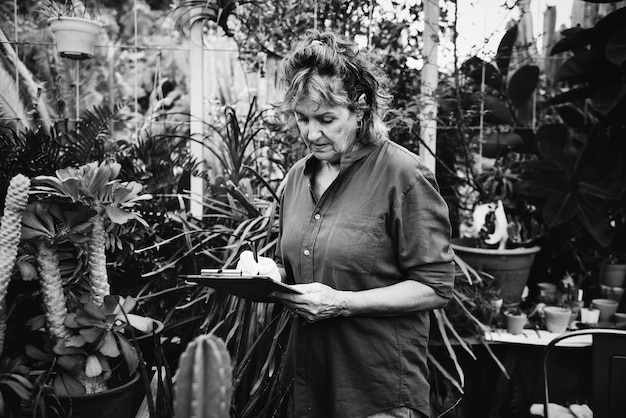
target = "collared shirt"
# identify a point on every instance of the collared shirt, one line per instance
(380, 222)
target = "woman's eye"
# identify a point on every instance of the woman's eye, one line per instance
(327, 120)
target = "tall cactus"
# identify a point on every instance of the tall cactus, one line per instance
(10, 233)
(203, 380)
(98, 277)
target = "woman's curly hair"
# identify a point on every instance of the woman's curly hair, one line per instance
(328, 69)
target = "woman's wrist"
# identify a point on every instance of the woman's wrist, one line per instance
(344, 299)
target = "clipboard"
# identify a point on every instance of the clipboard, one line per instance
(251, 287)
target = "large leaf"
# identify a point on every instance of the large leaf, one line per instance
(495, 143)
(560, 208)
(505, 49)
(583, 67)
(474, 68)
(574, 39)
(552, 141)
(572, 95)
(496, 110)
(609, 25)
(596, 223)
(609, 98)
(523, 83)
(67, 385)
(571, 116)
(616, 48)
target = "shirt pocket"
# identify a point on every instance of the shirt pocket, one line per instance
(354, 243)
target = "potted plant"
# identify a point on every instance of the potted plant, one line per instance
(612, 272)
(577, 176)
(83, 342)
(500, 233)
(75, 29)
(494, 247)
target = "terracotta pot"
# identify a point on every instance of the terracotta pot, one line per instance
(607, 308)
(620, 320)
(613, 293)
(510, 268)
(547, 292)
(515, 322)
(557, 319)
(75, 37)
(613, 275)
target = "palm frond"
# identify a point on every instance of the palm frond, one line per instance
(11, 104)
(85, 143)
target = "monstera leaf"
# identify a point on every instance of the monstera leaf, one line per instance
(575, 181)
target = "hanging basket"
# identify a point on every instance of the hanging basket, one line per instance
(75, 37)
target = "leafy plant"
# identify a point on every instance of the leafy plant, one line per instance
(67, 8)
(579, 171)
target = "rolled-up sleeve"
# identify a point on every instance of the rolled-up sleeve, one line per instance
(423, 235)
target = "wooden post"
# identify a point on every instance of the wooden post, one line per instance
(428, 85)
(196, 79)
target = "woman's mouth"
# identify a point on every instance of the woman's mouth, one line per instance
(318, 147)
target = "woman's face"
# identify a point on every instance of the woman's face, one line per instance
(328, 131)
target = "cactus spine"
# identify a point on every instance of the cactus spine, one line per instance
(10, 233)
(203, 381)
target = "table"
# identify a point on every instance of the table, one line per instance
(536, 337)
(488, 392)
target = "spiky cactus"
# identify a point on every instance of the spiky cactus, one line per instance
(203, 380)
(98, 276)
(52, 289)
(95, 185)
(10, 233)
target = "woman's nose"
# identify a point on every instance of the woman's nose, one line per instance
(314, 131)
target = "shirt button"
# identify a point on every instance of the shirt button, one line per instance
(307, 252)
(317, 216)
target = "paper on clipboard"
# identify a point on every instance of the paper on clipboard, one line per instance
(251, 287)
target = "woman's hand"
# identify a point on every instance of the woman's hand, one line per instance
(317, 301)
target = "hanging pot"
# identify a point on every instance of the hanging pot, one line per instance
(75, 37)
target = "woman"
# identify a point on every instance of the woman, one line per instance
(365, 239)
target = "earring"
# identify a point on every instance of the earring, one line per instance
(359, 124)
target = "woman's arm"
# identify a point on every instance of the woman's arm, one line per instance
(319, 301)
